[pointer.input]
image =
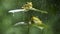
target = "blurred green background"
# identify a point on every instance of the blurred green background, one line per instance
(52, 19)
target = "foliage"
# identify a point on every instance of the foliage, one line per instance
(7, 21)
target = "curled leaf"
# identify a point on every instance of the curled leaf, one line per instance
(20, 23)
(17, 10)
